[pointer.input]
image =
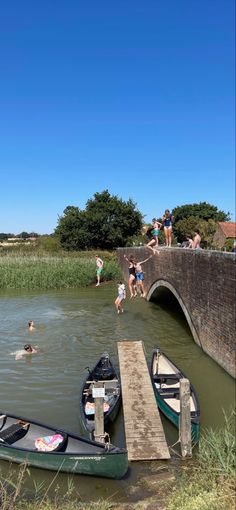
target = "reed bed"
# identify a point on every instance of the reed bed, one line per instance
(53, 272)
(210, 484)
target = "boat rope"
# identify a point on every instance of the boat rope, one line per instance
(171, 447)
(178, 441)
(106, 439)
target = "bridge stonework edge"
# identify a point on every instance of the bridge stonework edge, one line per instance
(204, 284)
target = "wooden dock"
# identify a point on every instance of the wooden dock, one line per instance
(145, 438)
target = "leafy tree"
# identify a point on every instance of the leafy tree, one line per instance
(111, 221)
(202, 216)
(187, 226)
(24, 235)
(202, 210)
(107, 222)
(70, 229)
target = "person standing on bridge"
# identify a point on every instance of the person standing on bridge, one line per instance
(167, 220)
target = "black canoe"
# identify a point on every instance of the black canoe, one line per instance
(45, 447)
(166, 377)
(105, 373)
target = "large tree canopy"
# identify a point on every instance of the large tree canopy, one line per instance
(202, 210)
(106, 222)
(202, 216)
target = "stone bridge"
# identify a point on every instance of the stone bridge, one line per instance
(203, 282)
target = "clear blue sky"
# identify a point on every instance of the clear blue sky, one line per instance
(132, 96)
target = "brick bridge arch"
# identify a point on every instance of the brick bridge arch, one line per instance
(203, 282)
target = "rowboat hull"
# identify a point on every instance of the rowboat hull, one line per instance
(166, 384)
(108, 466)
(81, 456)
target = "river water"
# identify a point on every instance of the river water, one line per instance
(73, 327)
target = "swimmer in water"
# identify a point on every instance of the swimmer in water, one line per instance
(31, 325)
(28, 349)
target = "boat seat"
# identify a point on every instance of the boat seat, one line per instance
(13, 433)
(166, 376)
(169, 393)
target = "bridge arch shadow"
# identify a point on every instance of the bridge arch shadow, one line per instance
(162, 290)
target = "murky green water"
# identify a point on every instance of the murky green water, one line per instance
(73, 328)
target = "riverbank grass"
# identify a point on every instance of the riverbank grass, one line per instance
(210, 483)
(55, 272)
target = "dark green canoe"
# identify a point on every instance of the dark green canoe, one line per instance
(23, 440)
(166, 377)
(105, 373)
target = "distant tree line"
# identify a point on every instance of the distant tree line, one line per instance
(22, 235)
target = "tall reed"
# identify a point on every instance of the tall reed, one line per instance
(210, 484)
(50, 272)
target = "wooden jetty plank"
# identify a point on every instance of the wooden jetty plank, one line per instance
(145, 438)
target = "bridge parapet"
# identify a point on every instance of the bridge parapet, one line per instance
(203, 282)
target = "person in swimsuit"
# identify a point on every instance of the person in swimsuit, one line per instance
(140, 275)
(167, 220)
(121, 296)
(188, 243)
(155, 233)
(196, 240)
(31, 325)
(132, 276)
(99, 264)
(28, 349)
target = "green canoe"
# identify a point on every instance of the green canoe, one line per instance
(45, 447)
(166, 383)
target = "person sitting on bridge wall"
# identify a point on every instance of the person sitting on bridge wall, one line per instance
(188, 243)
(196, 239)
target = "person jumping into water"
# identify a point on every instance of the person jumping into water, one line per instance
(155, 233)
(121, 296)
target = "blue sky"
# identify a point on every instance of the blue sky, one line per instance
(136, 97)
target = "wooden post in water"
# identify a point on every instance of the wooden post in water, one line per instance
(185, 418)
(98, 393)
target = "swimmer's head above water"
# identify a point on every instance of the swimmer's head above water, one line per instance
(28, 348)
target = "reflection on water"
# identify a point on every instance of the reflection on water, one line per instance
(73, 327)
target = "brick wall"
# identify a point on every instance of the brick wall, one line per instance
(204, 284)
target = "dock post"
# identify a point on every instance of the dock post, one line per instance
(185, 418)
(98, 393)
